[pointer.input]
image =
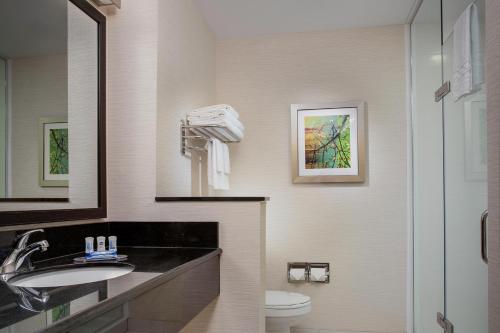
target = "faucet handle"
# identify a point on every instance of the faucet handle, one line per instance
(22, 240)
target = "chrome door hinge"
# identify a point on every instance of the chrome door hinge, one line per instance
(442, 91)
(445, 324)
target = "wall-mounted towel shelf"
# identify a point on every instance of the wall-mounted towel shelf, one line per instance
(202, 132)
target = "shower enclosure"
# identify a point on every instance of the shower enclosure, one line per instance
(450, 277)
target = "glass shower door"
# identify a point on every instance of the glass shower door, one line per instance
(465, 179)
(449, 177)
(428, 189)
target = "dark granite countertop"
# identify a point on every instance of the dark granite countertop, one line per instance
(72, 304)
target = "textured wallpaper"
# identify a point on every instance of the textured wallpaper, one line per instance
(359, 228)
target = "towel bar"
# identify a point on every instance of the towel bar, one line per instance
(200, 132)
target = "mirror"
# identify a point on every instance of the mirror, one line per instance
(52, 89)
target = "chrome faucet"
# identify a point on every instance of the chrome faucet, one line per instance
(30, 299)
(22, 253)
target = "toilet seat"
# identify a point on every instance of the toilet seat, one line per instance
(286, 304)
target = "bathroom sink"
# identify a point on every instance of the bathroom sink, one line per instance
(70, 275)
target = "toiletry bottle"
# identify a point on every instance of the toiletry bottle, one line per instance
(101, 244)
(89, 245)
(112, 247)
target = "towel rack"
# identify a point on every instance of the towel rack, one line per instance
(200, 132)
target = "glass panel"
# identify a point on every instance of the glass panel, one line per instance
(465, 186)
(427, 168)
(3, 118)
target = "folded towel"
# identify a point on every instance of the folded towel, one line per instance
(215, 120)
(219, 109)
(467, 59)
(228, 131)
(223, 115)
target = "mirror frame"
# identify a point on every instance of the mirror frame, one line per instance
(56, 215)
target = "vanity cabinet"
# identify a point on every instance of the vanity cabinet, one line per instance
(166, 308)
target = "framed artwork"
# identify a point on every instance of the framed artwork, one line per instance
(54, 152)
(328, 142)
(476, 150)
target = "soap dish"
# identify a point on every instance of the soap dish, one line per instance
(118, 257)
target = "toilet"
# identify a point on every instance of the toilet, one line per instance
(284, 310)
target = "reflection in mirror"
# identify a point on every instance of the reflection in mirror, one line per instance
(48, 103)
(38, 312)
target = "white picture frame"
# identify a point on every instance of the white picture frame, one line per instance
(47, 178)
(328, 142)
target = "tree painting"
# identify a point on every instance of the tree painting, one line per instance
(59, 151)
(327, 142)
(60, 312)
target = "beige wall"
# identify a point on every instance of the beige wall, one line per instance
(133, 42)
(359, 228)
(39, 89)
(82, 108)
(493, 86)
(186, 80)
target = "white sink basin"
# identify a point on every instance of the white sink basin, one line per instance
(70, 276)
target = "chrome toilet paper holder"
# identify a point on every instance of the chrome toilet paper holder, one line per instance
(308, 267)
(325, 278)
(297, 266)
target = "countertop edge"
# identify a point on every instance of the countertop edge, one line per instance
(212, 199)
(109, 304)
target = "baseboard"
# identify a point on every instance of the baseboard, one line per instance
(311, 330)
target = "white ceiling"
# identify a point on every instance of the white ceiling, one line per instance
(246, 18)
(32, 27)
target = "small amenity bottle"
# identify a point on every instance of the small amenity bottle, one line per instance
(112, 247)
(101, 244)
(89, 245)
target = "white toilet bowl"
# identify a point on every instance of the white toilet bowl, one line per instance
(285, 310)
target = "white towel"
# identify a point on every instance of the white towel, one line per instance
(230, 132)
(227, 162)
(224, 134)
(219, 153)
(217, 162)
(223, 115)
(467, 58)
(210, 163)
(219, 109)
(199, 119)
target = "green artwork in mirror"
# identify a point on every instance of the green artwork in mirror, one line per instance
(54, 152)
(60, 312)
(58, 154)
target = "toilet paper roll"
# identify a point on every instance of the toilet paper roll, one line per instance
(297, 274)
(318, 274)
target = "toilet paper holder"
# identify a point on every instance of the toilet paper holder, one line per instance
(300, 272)
(324, 272)
(297, 272)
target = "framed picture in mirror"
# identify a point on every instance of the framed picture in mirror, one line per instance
(54, 152)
